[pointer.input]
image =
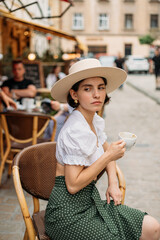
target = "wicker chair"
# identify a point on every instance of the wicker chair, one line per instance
(19, 130)
(34, 171)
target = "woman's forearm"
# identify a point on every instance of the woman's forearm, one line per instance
(111, 172)
(110, 168)
(78, 177)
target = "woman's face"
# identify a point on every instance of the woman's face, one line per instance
(91, 94)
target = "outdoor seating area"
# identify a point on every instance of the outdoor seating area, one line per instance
(79, 117)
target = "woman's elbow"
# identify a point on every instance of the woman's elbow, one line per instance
(72, 189)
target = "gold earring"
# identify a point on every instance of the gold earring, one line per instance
(75, 101)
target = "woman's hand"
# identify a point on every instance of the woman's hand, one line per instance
(115, 193)
(116, 150)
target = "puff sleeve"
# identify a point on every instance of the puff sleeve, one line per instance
(75, 145)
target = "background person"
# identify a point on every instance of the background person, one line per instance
(156, 68)
(19, 87)
(120, 63)
(54, 76)
(75, 210)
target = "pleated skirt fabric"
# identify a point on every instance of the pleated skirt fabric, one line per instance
(84, 216)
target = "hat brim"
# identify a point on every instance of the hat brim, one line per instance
(115, 77)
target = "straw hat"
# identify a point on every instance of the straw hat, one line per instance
(87, 68)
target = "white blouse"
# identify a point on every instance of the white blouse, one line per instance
(77, 144)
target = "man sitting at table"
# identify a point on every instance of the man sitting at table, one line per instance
(19, 87)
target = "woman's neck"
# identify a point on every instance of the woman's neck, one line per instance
(87, 115)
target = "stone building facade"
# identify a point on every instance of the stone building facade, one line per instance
(112, 26)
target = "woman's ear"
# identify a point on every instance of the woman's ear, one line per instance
(73, 94)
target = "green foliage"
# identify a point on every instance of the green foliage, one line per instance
(47, 56)
(7, 63)
(147, 39)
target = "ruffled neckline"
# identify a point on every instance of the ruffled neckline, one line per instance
(98, 123)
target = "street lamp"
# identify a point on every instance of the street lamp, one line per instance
(31, 56)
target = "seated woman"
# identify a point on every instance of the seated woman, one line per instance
(75, 209)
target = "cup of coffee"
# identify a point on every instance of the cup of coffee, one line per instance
(28, 103)
(129, 138)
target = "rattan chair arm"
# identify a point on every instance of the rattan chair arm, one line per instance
(1, 140)
(23, 204)
(4, 155)
(6, 131)
(122, 182)
(54, 129)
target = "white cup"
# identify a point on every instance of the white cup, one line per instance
(129, 138)
(28, 103)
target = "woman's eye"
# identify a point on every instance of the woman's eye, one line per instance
(101, 88)
(86, 89)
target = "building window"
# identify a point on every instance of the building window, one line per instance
(129, 21)
(154, 21)
(103, 21)
(78, 21)
(128, 49)
(96, 51)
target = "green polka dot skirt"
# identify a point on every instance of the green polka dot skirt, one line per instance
(84, 216)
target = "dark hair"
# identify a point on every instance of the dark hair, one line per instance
(75, 88)
(54, 68)
(18, 61)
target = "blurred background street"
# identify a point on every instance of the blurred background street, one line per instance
(47, 37)
(129, 110)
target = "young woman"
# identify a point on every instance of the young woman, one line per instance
(75, 210)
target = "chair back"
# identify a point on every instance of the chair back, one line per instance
(17, 123)
(23, 127)
(37, 169)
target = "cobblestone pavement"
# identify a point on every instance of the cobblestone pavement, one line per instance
(145, 84)
(129, 110)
